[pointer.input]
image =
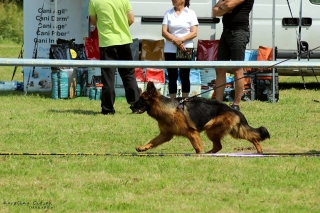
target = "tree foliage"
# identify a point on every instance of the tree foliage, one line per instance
(11, 21)
(16, 2)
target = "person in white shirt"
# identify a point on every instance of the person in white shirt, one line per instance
(179, 28)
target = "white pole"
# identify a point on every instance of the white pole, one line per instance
(55, 19)
(273, 50)
(299, 39)
(251, 18)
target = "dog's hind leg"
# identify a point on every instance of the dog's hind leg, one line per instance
(215, 132)
(160, 139)
(257, 145)
(216, 140)
(195, 140)
(249, 134)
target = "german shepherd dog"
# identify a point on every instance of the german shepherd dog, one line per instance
(191, 116)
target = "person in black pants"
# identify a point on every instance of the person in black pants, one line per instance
(173, 77)
(112, 19)
(232, 44)
(179, 28)
(119, 52)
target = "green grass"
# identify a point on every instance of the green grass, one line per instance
(37, 123)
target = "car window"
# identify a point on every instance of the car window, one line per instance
(315, 1)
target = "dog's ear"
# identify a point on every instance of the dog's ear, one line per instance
(151, 88)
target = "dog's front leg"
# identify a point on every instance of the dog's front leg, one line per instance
(196, 142)
(160, 139)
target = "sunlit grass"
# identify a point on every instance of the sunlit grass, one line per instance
(38, 124)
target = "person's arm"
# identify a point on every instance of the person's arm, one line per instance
(225, 6)
(193, 33)
(93, 20)
(130, 17)
(169, 37)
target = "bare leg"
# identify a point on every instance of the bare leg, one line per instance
(239, 85)
(160, 139)
(173, 96)
(220, 83)
(185, 95)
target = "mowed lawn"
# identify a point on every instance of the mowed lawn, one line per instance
(99, 183)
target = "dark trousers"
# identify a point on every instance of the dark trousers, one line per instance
(232, 45)
(119, 52)
(173, 76)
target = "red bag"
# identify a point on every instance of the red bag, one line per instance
(155, 75)
(207, 50)
(91, 47)
(138, 72)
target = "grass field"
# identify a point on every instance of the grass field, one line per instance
(38, 124)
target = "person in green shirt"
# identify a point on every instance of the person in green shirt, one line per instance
(113, 19)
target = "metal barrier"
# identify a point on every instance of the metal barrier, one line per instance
(157, 64)
(285, 64)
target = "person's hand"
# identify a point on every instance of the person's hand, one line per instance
(182, 47)
(177, 42)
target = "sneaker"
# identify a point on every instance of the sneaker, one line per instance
(236, 107)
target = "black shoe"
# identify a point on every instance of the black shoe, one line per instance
(106, 112)
(236, 107)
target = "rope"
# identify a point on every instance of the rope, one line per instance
(315, 154)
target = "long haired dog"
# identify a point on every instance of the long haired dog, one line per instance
(193, 116)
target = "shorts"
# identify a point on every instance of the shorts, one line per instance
(232, 45)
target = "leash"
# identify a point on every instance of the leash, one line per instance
(306, 53)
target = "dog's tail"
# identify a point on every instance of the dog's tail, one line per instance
(244, 131)
(254, 134)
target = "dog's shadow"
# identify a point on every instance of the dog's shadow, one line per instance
(76, 111)
(313, 151)
(80, 112)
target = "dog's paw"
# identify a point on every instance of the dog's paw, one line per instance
(141, 149)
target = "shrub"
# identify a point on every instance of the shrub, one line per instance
(11, 22)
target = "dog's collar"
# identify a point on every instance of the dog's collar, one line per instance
(180, 104)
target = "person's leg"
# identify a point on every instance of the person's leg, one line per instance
(172, 75)
(223, 55)
(220, 83)
(107, 78)
(185, 81)
(238, 84)
(127, 75)
(237, 42)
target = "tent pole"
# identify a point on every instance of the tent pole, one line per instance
(273, 50)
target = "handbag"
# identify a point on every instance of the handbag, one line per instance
(92, 50)
(186, 55)
(207, 50)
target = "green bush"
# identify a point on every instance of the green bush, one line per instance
(11, 22)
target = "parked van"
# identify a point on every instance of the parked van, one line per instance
(287, 30)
